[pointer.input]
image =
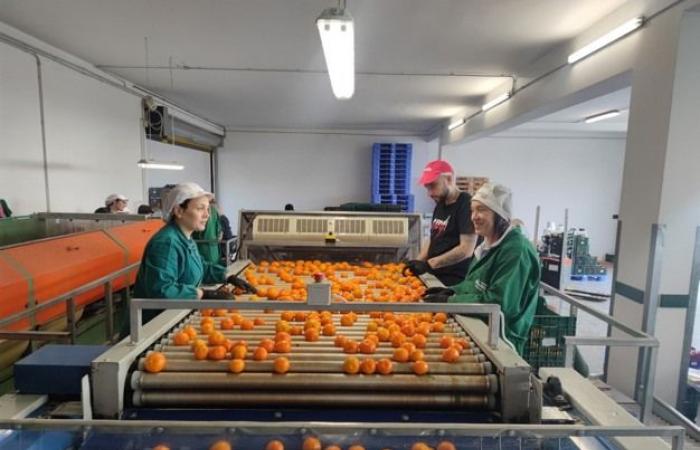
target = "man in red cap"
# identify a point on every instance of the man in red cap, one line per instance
(452, 237)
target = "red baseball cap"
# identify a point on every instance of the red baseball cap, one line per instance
(433, 170)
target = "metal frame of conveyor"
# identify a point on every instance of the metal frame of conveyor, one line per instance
(291, 247)
(148, 433)
(109, 372)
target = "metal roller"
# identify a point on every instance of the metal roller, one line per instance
(482, 384)
(320, 367)
(332, 357)
(295, 399)
(381, 352)
(253, 337)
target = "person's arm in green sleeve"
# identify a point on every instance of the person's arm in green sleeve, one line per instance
(505, 286)
(460, 288)
(213, 273)
(161, 274)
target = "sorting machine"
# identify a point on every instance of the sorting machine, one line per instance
(490, 384)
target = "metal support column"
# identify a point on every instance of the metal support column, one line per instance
(613, 293)
(651, 305)
(70, 313)
(689, 321)
(109, 301)
(537, 226)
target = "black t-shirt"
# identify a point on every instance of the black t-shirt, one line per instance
(449, 221)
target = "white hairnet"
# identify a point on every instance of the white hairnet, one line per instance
(497, 198)
(180, 193)
(111, 198)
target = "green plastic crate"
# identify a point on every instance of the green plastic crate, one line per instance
(545, 347)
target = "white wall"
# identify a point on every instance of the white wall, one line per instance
(21, 160)
(92, 138)
(268, 170)
(197, 165)
(583, 175)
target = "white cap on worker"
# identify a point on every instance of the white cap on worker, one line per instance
(114, 197)
(497, 198)
(181, 193)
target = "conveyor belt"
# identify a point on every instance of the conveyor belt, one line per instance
(295, 399)
(315, 377)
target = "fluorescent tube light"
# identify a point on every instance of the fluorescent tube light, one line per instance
(602, 116)
(496, 101)
(150, 164)
(337, 33)
(455, 124)
(619, 32)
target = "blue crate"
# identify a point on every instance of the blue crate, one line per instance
(391, 171)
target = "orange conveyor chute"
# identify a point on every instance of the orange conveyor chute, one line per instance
(46, 269)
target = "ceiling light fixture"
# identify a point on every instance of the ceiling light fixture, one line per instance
(455, 124)
(619, 32)
(150, 164)
(602, 116)
(496, 101)
(337, 33)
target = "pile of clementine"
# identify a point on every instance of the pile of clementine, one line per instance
(285, 280)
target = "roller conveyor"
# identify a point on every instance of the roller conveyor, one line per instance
(476, 380)
(294, 399)
(338, 382)
(315, 377)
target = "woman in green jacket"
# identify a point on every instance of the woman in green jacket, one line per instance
(171, 266)
(505, 269)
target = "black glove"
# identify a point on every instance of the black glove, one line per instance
(438, 290)
(217, 294)
(436, 298)
(417, 267)
(241, 284)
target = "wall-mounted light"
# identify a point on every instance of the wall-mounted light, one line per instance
(496, 101)
(335, 26)
(602, 116)
(150, 164)
(607, 39)
(455, 124)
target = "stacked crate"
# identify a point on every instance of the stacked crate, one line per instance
(470, 184)
(391, 175)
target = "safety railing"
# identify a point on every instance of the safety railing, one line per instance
(68, 298)
(647, 344)
(134, 433)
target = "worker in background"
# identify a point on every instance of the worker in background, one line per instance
(145, 210)
(289, 207)
(208, 239)
(227, 235)
(505, 269)
(452, 238)
(114, 203)
(171, 266)
(5, 210)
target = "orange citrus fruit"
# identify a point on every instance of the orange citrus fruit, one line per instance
(155, 362)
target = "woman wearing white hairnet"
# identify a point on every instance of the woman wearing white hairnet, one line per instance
(505, 269)
(172, 266)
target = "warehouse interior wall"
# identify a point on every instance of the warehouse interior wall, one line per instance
(92, 137)
(197, 165)
(267, 170)
(21, 153)
(583, 175)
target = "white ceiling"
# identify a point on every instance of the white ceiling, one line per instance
(571, 120)
(272, 37)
